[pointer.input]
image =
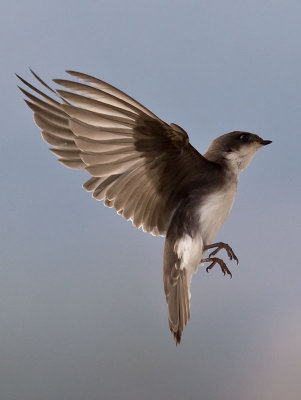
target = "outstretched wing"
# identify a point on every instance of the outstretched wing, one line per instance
(138, 163)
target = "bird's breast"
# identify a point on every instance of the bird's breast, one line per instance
(213, 212)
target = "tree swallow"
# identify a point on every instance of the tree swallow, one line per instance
(149, 172)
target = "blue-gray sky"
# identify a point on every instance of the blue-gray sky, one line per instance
(82, 313)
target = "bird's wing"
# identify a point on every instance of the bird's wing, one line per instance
(138, 163)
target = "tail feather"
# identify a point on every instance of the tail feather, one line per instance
(178, 305)
(182, 255)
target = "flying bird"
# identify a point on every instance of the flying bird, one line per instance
(148, 171)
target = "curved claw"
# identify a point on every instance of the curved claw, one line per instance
(219, 246)
(222, 264)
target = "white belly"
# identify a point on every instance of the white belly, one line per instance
(214, 212)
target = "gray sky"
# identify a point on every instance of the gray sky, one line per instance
(82, 313)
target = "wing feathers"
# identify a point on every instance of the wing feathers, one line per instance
(75, 164)
(100, 192)
(97, 106)
(55, 119)
(91, 132)
(96, 119)
(95, 146)
(138, 163)
(56, 129)
(48, 98)
(43, 104)
(111, 90)
(92, 183)
(58, 141)
(123, 188)
(69, 154)
(97, 94)
(105, 158)
(110, 168)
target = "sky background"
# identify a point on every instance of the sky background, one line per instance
(82, 309)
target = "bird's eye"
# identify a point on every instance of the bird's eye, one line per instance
(229, 151)
(244, 138)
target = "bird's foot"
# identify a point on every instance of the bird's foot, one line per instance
(220, 246)
(222, 264)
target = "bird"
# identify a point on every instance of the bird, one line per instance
(147, 170)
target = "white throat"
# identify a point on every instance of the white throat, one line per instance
(239, 160)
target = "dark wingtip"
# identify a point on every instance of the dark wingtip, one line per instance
(71, 72)
(34, 74)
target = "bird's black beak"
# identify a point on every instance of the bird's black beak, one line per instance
(265, 142)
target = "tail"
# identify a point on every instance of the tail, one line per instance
(176, 286)
(181, 259)
(182, 254)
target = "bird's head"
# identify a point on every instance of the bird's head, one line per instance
(235, 149)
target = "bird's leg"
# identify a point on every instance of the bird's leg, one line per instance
(219, 246)
(219, 261)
